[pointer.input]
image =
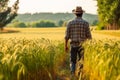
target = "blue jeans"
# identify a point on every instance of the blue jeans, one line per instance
(76, 53)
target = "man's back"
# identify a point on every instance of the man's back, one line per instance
(78, 30)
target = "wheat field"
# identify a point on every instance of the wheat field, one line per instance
(38, 54)
(53, 33)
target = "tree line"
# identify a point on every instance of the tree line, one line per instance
(56, 17)
(49, 19)
(36, 24)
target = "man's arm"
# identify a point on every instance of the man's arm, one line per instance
(88, 32)
(67, 36)
(66, 45)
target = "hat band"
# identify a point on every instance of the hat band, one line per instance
(79, 11)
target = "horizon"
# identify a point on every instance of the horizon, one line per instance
(53, 13)
(55, 6)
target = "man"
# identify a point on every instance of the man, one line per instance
(77, 31)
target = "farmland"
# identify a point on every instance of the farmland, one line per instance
(52, 33)
(38, 54)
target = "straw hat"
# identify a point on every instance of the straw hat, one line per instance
(78, 10)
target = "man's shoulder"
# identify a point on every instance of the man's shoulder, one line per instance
(72, 21)
(85, 21)
(81, 20)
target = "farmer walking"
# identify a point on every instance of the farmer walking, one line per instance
(77, 32)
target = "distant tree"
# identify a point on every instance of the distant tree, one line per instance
(7, 14)
(50, 24)
(45, 24)
(95, 22)
(33, 24)
(109, 13)
(28, 24)
(20, 24)
(60, 23)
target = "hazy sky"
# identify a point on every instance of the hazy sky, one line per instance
(32, 6)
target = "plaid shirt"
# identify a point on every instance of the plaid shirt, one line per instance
(77, 31)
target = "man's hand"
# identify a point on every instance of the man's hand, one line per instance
(66, 46)
(66, 49)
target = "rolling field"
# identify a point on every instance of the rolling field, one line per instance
(53, 33)
(38, 54)
(36, 33)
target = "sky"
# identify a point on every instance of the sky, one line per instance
(55, 6)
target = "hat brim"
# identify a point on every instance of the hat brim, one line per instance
(77, 12)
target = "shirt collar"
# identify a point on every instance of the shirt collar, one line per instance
(78, 18)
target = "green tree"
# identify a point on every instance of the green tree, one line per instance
(7, 14)
(109, 13)
(60, 23)
(44, 24)
(95, 22)
(19, 24)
